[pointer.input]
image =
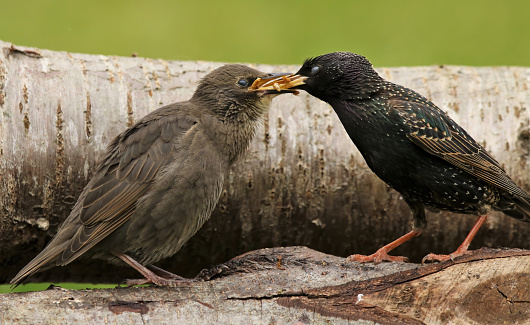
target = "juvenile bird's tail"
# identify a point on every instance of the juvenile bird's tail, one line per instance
(43, 261)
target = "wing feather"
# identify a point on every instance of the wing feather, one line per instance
(435, 132)
(125, 174)
(132, 164)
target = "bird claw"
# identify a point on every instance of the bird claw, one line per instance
(442, 257)
(165, 274)
(158, 281)
(376, 258)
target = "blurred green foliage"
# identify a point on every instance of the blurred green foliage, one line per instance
(389, 33)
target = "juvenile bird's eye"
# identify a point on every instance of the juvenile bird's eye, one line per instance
(242, 82)
(315, 69)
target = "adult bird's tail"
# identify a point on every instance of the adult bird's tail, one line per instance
(521, 210)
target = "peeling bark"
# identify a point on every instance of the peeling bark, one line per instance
(302, 182)
(297, 285)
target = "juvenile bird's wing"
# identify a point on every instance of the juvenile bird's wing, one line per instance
(132, 161)
(435, 132)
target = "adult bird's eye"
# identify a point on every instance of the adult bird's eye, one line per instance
(243, 82)
(315, 69)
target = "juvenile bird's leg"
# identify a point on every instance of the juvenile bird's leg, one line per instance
(462, 249)
(163, 273)
(150, 277)
(419, 223)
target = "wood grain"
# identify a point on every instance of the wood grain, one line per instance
(297, 285)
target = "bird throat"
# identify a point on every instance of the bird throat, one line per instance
(364, 114)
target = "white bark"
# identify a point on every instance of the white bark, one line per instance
(302, 182)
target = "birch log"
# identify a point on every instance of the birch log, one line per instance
(296, 285)
(302, 182)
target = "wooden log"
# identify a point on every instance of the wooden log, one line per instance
(297, 285)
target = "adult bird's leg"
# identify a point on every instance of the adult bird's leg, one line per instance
(382, 253)
(150, 277)
(462, 249)
(419, 224)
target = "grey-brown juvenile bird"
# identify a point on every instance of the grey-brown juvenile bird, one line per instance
(161, 178)
(412, 145)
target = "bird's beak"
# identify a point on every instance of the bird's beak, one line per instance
(278, 83)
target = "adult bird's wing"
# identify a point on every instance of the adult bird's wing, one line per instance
(435, 132)
(132, 161)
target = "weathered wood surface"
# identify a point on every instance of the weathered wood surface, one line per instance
(302, 182)
(297, 285)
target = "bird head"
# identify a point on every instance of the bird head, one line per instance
(334, 76)
(233, 92)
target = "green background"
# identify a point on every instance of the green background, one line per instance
(389, 33)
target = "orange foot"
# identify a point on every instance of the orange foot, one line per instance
(382, 253)
(462, 249)
(441, 258)
(377, 257)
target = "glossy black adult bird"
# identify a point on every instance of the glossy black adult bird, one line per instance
(411, 145)
(161, 178)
